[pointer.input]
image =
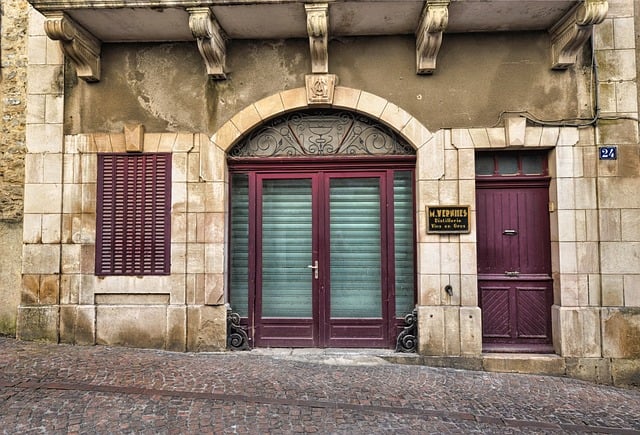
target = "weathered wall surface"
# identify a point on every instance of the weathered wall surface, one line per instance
(13, 40)
(164, 86)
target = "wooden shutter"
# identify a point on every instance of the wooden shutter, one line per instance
(133, 214)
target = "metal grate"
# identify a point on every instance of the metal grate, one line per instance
(133, 214)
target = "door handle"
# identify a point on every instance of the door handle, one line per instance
(513, 273)
(510, 232)
(314, 266)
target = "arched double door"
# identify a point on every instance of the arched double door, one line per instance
(322, 232)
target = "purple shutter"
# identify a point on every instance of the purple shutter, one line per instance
(133, 214)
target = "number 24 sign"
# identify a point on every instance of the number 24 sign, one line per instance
(608, 153)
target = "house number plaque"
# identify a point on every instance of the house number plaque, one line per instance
(448, 219)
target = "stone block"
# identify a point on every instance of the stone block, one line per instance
(224, 138)
(42, 198)
(215, 199)
(620, 332)
(346, 98)
(247, 119)
(577, 331)
(32, 228)
(49, 289)
(30, 289)
(621, 131)
(497, 137)
(167, 141)
(470, 331)
(430, 161)
(596, 370)
(626, 372)
(184, 143)
(206, 328)
(517, 363)
(69, 289)
(395, 117)
(214, 227)
(179, 163)
(429, 290)
(371, 104)
(214, 288)
(416, 134)
(54, 110)
(176, 328)
(38, 323)
(41, 259)
(214, 258)
(616, 65)
(132, 326)
(515, 130)
(193, 166)
(619, 257)
(67, 323)
(269, 106)
(632, 290)
(431, 336)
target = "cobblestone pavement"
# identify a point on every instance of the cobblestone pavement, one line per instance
(48, 388)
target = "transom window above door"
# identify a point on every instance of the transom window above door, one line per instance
(511, 164)
(321, 133)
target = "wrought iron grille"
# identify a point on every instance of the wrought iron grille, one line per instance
(321, 133)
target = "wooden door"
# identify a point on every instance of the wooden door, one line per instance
(514, 265)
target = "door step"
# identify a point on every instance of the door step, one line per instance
(540, 364)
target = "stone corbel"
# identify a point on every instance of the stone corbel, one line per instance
(433, 22)
(572, 32)
(318, 30)
(211, 40)
(77, 44)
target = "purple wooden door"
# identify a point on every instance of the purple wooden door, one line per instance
(514, 265)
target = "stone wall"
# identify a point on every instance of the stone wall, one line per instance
(13, 59)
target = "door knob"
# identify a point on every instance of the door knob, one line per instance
(314, 266)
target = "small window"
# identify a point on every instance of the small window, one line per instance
(133, 223)
(510, 164)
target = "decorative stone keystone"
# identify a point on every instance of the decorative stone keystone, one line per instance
(77, 44)
(571, 32)
(318, 30)
(433, 22)
(211, 40)
(134, 138)
(320, 88)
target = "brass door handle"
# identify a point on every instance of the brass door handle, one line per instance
(513, 273)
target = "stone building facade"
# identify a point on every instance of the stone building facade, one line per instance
(518, 135)
(13, 61)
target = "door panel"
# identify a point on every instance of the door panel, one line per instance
(355, 248)
(514, 265)
(286, 248)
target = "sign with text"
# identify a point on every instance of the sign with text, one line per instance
(448, 219)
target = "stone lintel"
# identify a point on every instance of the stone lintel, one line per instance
(318, 30)
(211, 40)
(570, 34)
(77, 44)
(433, 22)
(320, 88)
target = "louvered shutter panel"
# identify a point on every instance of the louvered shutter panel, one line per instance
(133, 214)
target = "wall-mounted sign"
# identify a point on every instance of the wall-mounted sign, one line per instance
(448, 219)
(608, 153)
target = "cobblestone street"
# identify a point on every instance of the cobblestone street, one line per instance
(48, 388)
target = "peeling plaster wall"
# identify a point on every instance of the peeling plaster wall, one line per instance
(164, 86)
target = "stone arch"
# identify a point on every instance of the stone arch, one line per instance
(377, 108)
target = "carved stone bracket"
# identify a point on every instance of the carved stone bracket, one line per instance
(320, 88)
(433, 22)
(570, 34)
(80, 46)
(318, 30)
(211, 40)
